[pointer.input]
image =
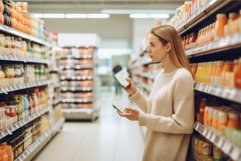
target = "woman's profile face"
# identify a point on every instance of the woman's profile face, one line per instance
(156, 50)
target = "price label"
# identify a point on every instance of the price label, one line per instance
(9, 131)
(218, 91)
(205, 132)
(12, 128)
(232, 94)
(237, 96)
(209, 135)
(213, 138)
(220, 143)
(227, 146)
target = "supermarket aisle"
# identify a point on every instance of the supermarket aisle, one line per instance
(110, 138)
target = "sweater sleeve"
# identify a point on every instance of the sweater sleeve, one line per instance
(182, 119)
(141, 100)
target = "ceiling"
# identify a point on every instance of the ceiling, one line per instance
(96, 6)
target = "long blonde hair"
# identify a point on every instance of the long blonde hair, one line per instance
(168, 34)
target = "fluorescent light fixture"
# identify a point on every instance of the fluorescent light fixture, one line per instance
(137, 11)
(37, 15)
(149, 15)
(98, 15)
(72, 15)
(76, 16)
(139, 15)
(159, 15)
(51, 15)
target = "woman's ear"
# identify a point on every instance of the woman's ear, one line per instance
(168, 47)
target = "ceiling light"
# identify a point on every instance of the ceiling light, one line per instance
(133, 11)
(98, 15)
(76, 16)
(139, 15)
(51, 15)
(159, 15)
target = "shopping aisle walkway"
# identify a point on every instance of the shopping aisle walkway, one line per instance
(110, 138)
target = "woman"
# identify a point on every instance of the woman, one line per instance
(168, 112)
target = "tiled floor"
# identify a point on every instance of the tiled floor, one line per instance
(110, 138)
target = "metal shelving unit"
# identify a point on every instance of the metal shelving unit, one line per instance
(6, 90)
(75, 109)
(40, 142)
(14, 32)
(220, 141)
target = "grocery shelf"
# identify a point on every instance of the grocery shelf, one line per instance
(208, 9)
(77, 78)
(75, 114)
(5, 90)
(40, 142)
(73, 89)
(54, 69)
(225, 93)
(24, 59)
(72, 100)
(14, 32)
(83, 56)
(19, 124)
(218, 140)
(77, 67)
(215, 47)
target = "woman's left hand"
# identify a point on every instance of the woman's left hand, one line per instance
(130, 114)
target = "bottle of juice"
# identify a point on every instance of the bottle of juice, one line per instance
(202, 106)
(221, 21)
(237, 74)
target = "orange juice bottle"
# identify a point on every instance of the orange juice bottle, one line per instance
(222, 120)
(221, 21)
(233, 120)
(232, 23)
(215, 119)
(237, 74)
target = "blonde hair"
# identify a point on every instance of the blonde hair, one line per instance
(168, 34)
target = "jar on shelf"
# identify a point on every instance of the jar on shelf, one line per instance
(221, 21)
(233, 120)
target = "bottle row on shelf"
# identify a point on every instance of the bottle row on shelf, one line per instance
(16, 74)
(77, 52)
(223, 27)
(188, 11)
(16, 46)
(15, 15)
(225, 74)
(211, 146)
(20, 143)
(40, 141)
(78, 84)
(76, 74)
(16, 106)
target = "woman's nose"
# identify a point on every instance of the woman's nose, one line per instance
(147, 49)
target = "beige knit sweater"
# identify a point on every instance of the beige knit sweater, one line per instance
(168, 114)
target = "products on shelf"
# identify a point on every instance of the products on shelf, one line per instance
(224, 27)
(17, 106)
(225, 74)
(204, 150)
(15, 74)
(185, 12)
(6, 152)
(14, 46)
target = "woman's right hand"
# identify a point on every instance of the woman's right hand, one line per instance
(131, 89)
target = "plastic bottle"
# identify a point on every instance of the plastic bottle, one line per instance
(221, 21)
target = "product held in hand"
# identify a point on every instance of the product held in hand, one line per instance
(118, 105)
(121, 77)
